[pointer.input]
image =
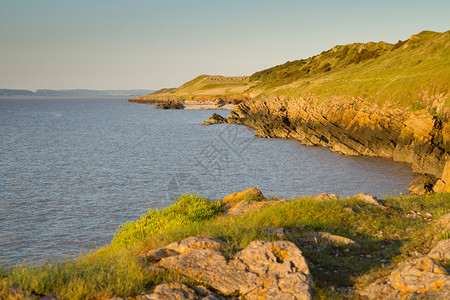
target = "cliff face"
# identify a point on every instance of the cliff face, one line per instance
(353, 127)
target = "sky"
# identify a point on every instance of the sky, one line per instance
(153, 44)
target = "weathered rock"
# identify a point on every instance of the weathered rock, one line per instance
(326, 238)
(275, 231)
(422, 185)
(215, 119)
(368, 199)
(171, 104)
(325, 196)
(175, 291)
(245, 206)
(443, 224)
(251, 194)
(443, 184)
(275, 270)
(441, 251)
(420, 278)
(196, 242)
(154, 256)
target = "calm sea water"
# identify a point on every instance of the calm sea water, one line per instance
(73, 169)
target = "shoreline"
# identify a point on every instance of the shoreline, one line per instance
(336, 248)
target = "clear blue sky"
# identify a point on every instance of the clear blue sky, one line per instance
(127, 44)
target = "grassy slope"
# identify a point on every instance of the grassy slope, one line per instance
(206, 85)
(395, 75)
(387, 237)
(411, 73)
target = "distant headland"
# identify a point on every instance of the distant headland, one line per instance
(71, 93)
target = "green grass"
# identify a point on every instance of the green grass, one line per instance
(386, 237)
(410, 74)
(413, 71)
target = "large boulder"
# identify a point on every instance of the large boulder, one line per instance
(263, 270)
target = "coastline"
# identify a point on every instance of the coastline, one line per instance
(248, 246)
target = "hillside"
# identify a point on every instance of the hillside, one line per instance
(410, 74)
(205, 88)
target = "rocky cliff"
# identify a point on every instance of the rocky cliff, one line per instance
(352, 126)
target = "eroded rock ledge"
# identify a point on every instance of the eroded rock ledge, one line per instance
(352, 127)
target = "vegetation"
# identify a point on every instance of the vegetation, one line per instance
(409, 74)
(203, 87)
(387, 236)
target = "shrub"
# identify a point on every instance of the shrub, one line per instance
(186, 210)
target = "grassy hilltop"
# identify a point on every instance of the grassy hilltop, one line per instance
(409, 74)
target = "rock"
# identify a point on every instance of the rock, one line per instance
(269, 270)
(326, 238)
(419, 278)
(325, 196)
(441, 251)
(275, 231)
(171, 104)
(443, 184)
(251, 194)
(368, 199)
(156, 255)
(215, 119)
(443, 224)
(175, 291)
(238, 208)
(422, 185)
(196, 242)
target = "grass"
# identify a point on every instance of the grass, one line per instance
(386, 237)
(410, 75)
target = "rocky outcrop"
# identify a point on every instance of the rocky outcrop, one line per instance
(171, 104)
(422, 185)
(443, 224)
(263, 270)
(251, 194)
(441, 251)
(351, 126)
(215, 119)
(420, 278)
(443, 184)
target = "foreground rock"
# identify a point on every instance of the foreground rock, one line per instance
(420, 278)
(443, 224)
(417, 278)
(422, 185)
(215, 119)
(263, 270)
(369, 199)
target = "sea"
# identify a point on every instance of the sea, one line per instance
(72, 170)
